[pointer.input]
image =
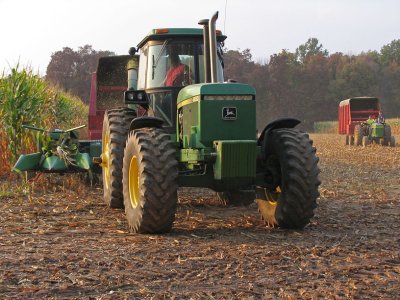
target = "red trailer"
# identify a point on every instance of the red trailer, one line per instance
(354, 111)
(107, 90)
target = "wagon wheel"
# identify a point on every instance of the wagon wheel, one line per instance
(358, 135)
(292, 162)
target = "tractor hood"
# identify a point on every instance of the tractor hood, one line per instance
(215, 112)
(210, 89)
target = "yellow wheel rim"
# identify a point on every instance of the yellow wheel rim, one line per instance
(267, 207)
(134, 181)
(105, 160)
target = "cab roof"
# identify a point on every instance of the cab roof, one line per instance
(163, 33)
(359, 99)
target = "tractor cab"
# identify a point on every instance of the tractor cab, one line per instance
(169, 60)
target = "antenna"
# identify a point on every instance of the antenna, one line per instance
(226, 4)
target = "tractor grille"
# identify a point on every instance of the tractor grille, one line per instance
(235, 159)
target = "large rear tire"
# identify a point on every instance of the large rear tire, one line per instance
(150, 174)
(115, 130)
(387, 135)
(289, 201)
(392, 142)
(237, 197)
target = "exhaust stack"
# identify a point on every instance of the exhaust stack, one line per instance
(213, 47)
(210, 48)
(207, 73)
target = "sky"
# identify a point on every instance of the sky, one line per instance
(31, 30)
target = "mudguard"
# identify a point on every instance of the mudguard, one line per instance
(146, 121)
(279, 123)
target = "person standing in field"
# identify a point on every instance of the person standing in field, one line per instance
(381, 119)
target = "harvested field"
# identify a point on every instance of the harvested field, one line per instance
(65, 244)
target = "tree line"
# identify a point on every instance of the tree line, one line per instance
(307, 84)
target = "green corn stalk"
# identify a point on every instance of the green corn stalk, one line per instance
(23, 100)
(26, 98)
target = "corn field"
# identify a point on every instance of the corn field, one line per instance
(326, 127)
(26, 98)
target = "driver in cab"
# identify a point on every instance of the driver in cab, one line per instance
(178, 73)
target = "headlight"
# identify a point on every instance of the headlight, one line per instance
(136, 97)
(130, 96)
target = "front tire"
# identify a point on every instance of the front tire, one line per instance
(365, 141)
(150, 174)
(115, 130)
(289, 199)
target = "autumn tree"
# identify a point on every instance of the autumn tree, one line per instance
(358, 77)
(310, 83)
(282, 85)
(309, 49)
(71, 70)
(240, 67)
(390, 53)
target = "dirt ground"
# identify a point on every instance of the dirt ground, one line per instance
(65, 244)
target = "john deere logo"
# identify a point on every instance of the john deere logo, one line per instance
(229, 113)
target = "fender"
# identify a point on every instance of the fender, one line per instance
(146, 121)
(279, 123)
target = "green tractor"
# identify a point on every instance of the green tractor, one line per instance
(182, 125)
(361, 120)
(374, 132)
